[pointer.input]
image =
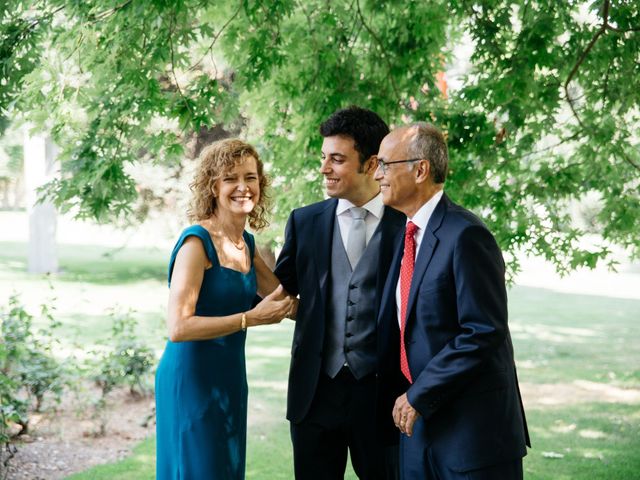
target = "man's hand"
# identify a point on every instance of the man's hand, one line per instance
(404, 415)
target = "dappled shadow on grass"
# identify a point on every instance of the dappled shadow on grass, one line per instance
(590, 440)
(93, 264)
(540, 395)
(560, 337)
(569, 310)
(586, 343)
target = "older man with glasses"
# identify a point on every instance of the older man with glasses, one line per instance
(444, 313)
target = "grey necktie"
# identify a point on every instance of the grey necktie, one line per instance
(357, 235)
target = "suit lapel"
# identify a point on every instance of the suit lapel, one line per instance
(388, 303)
(391, 225)
(323, 236)
(427, 248)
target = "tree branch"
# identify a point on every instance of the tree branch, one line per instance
(75, 49)
(349, 41)
(107, 13)
(602, 30)
(216, 36)
(316, 47)
(620, 30)
(574, 70)
(605, 83)
(173, 71)
(29, 28)
(562, 141)
(384, 55)
(628, 159)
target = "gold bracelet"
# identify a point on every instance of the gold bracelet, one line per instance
(243, 322)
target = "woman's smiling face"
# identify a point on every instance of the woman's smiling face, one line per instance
(238, 190)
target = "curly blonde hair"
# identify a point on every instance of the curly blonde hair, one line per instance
(215, 161)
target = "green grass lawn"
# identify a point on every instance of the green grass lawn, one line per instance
(558, 338)
(588, 440)
(92, 281)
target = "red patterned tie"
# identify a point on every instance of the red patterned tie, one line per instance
(406, 274)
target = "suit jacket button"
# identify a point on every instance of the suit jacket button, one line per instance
(351, 287)
(349, 318)
(347, 349)
(349, 334)
(350, 303)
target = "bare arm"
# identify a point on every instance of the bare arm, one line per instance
(186, 280)
(267, 281)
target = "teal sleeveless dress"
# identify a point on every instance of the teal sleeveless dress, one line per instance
(201, 386)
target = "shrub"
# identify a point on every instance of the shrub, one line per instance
(40, 374)
(27, 358)
(12, 411)
(124, 360)
(26, 370)
(128, 361)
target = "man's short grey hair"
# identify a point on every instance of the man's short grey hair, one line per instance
(428, 142)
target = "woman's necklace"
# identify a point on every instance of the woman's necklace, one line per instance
(239, 245)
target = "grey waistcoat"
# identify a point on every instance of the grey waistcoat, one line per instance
(350, 331)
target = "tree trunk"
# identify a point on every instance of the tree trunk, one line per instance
(39, 168)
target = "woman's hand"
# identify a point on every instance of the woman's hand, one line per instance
(272, 309)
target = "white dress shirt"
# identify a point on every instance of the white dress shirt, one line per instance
(420, 219)
(375, 209)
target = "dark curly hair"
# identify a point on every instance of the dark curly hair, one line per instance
(365, 127)
(215, 161)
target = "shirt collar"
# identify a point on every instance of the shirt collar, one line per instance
(422, 216)
(374, 206)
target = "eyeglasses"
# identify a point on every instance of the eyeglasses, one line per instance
(384, 166)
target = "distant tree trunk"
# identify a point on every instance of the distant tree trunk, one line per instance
(5, 185)
(39, 168)
(18, 194)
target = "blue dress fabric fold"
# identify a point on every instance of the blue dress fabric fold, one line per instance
(201, 386)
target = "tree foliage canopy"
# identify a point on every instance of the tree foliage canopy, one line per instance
(546, 114)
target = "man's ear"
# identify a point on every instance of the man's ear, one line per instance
(370, 165)
(422, 171)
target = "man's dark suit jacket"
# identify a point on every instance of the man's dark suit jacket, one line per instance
(303, 269)
(458, 343)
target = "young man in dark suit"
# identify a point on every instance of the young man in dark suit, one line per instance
(444, 311)
(335, 258)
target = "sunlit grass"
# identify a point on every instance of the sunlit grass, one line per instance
(561, 337)
(593, 440)
(92, 282)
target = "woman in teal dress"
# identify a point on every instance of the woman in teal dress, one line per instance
(214, 275)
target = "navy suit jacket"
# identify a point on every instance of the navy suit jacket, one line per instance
(458, 343)
(303, 268)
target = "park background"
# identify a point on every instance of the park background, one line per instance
(105, 105)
